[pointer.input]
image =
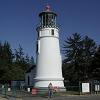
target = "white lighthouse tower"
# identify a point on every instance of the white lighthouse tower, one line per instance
(49, 62)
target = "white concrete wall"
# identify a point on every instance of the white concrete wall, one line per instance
(49, 63)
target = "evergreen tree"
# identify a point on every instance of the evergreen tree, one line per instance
(32, 61)
(72, 51)
(19, 54)
(6, 57)
(79, 54)
(21, 62)
(95, 71)
(88, 51)
(12, 65)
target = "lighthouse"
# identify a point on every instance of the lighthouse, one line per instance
(49, 62)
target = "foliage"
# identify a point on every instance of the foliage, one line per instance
(95, 70)
(12, 65)
(79, 53)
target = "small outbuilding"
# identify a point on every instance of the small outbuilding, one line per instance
(30, 75)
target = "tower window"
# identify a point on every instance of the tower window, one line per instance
(52, 32)
(37, 48)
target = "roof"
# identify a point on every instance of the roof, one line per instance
(44, 12)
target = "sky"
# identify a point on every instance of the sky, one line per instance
(19, 20)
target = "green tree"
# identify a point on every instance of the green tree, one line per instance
(32, 61)
(12, 65)
(95, 71)
(6, 58)
(19, 54)
(88, 51)
(72, 51)
(79, 53)
(21, 62)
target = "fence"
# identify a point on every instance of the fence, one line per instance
(14, 91)
(71, 88)
(94, 88)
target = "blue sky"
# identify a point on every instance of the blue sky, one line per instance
(19, 19)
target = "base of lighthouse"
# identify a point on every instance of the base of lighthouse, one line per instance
(42, 83)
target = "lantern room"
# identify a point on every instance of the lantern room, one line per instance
(47, 18)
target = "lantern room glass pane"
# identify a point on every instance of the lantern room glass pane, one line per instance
(48, 20)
